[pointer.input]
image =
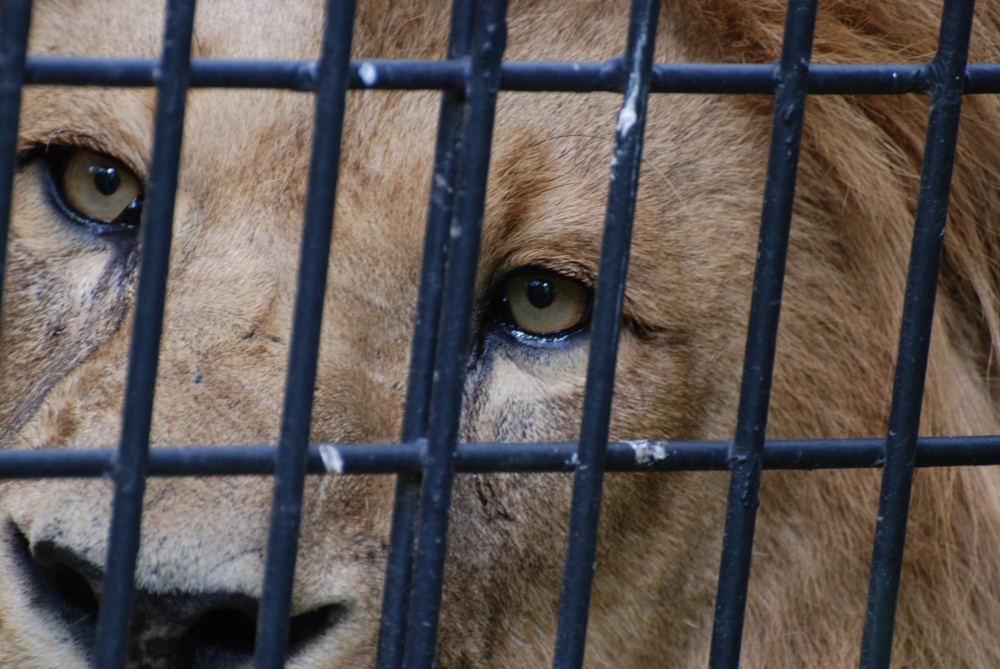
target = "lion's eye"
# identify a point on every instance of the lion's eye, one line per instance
(544, 304)
(96, 190)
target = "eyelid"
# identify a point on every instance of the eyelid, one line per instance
(568, 269)
(69, 141)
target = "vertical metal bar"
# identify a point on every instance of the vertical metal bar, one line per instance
(14, 27)
(133, 453)
(290, 468)
(581, 549)
(399, 569)
(762, 332)
(947, 72)
(453, 346)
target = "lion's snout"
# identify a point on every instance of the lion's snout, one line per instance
(197, 625)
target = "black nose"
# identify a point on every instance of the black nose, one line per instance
(203, 630)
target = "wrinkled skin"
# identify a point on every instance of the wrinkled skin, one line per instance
(67, 326)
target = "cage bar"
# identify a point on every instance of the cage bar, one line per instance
(489, 42)
(609, 295)
(915, 332)
(132, 459)
(317, 233)
(420, 388)
(537, 77)
(15, 22)
(503, 457)
(762, 333)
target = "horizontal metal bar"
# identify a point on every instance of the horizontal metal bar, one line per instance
(607, 76)
(627, 456)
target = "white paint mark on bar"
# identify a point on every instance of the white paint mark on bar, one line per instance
(368, 74)
(647, 451)
(332, 461)
(629, 114)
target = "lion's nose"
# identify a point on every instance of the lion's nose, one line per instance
(171, 630)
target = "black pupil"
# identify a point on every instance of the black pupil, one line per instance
(541, 293)
(106, 179)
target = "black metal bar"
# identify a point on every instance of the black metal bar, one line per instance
(982, 78)
(15, 23)
(489, 41)
(609, 295)
(527, 76)
(317, 233)
(133, 452)
(915, 331)
(502, 457)
(537, 76)
(399, 568)
(420, 389)
(762, 333)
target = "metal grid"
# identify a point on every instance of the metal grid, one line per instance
(428, 457)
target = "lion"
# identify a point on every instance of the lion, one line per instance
(74, 254)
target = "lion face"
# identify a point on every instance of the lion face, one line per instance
(230, 298)
(74, 258)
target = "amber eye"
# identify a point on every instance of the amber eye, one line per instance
(544, 304)
(96, 190)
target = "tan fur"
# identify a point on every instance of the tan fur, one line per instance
(67, 323)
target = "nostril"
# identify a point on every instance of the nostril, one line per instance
(227, 637)
(222, 638)
(62, 583)
(72, 590)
